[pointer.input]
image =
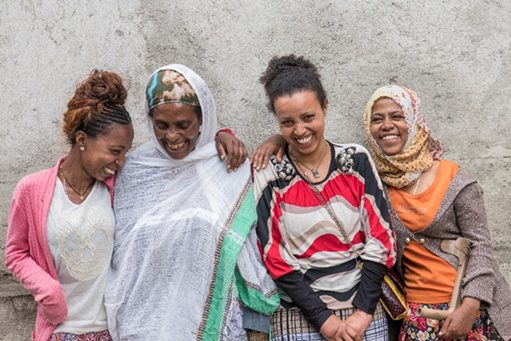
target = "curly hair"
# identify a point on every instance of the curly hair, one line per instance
(288, 75)
(98, 103)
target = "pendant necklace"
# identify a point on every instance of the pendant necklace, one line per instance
(313, 170)
(67, 183)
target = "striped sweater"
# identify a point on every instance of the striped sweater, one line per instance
(304, 249)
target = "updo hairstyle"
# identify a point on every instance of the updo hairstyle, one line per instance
(288, 75)
(98, 103)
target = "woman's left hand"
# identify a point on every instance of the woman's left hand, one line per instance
(274, 144)
(357, 324)
(460, 321)
(230, 149)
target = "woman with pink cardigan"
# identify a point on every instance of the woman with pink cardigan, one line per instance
(61, 222)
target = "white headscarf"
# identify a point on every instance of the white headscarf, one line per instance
(205, 145)
(173, 220)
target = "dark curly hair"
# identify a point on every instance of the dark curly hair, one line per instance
(288, 75)
(98, 103)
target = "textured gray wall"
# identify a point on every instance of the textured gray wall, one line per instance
(455, 54)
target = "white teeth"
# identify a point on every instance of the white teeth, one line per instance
(389, 137)
(304, 140)
(175, 146)
(109, 171)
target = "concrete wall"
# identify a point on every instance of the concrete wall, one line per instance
(455, 54)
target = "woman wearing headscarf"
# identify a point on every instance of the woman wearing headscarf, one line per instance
(431, 199)
(185, 261)
(434, 199)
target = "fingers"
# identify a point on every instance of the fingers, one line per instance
(243, 153)
(260, 158)
(232, 150)
(235, 161)
(272, 145)
(280, 153)
(221, 150)
(352, 333)
(231, 158)
(256, 160)
(454, 333)
(345, 336)
(456, 326)
(266, 159)
(444, 332)
(344, 332)
(236, 155)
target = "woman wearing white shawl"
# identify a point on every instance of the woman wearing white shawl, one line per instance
(184, 250)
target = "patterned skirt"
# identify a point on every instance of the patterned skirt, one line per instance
(94, 336)
(421, 328)
(291, 325)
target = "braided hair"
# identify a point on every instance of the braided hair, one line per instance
(98, 103)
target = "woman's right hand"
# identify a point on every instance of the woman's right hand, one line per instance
(54, 305)
(231, 149)
(459, 323)
(273, 145)
(358, 323)
(334, 329)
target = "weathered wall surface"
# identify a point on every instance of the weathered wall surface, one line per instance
(456, 55)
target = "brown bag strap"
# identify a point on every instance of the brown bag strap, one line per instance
(331, 212)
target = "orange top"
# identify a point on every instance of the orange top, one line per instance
(428, 278)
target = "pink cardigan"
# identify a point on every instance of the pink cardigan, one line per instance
(27, 253)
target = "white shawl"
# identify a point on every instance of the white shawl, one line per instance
(178, 223)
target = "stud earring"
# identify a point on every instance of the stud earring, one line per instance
(82, 147)
(200, 129)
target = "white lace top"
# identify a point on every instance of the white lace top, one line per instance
(81, 241)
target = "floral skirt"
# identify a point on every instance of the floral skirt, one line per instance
(422, 329)
(94, 336)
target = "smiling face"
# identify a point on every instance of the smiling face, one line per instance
(302, 123)
(388, 126)
(176, 126)
(104, 154)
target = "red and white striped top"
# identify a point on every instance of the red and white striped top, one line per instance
(297, 233)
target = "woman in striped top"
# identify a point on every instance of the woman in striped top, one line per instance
(323, 222)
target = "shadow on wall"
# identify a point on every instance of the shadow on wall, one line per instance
(18, 317)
